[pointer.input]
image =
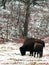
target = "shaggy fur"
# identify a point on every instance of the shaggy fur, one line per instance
(32, 45)
(38, 49)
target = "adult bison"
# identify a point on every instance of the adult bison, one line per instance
(29, 44)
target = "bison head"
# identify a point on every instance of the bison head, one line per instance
(22, 50)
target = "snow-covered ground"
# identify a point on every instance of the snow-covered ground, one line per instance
(10, 55)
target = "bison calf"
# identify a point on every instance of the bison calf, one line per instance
(38, 49)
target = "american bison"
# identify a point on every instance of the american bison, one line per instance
(38, 49)
(29, 45)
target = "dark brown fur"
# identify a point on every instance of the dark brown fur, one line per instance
(38, 49)
(29, 45)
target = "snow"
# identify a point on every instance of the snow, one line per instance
(10, 55)
(4, 11)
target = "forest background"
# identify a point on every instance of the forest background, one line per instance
(24, 18)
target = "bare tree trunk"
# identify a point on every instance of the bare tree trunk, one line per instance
(19, 13)
(3, 3)
(7, 31)
(26, 19)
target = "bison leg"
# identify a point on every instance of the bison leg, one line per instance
(30, 53)
(37, 54)
(41, 53)
(34, 54)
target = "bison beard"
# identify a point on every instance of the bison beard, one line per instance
(32, 45)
